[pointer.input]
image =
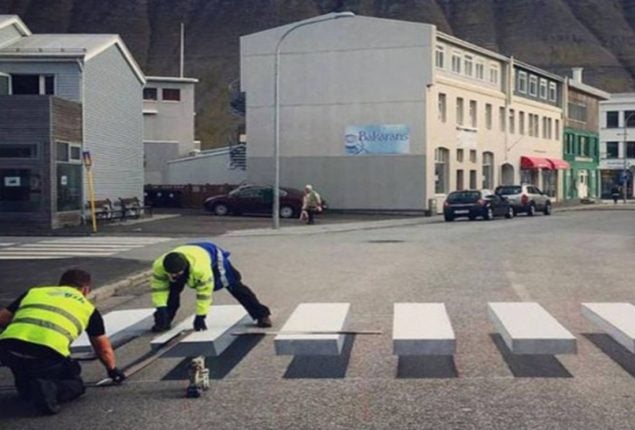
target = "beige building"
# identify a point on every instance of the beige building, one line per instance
(383, 114)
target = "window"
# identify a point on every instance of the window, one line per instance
(557, 130)
(459, 111)
(612, 149)
(472, 155)
(441, 157)
(439, 56)
(501, 118)
(533, 86)
(630, 149)
(536, 125)
(522, 82)
(612, 119)
(442, 107)
(521, 122)
(629, 118)
(543, 89)
(456, 62)
(493, 73)
(18, 151)
(67, 152)
(459, 155)
(473, 113)
(33, 84)
(488, 116)
(20, 190)
(171, 94)
(584, 146)
(468, 64)
(480, 70)
(472, 179)
(150, 94)
(530, 129)
(488, 170)
(553, 92)
(512, 121)
(544, 127)
(459, 180)
(578, 112)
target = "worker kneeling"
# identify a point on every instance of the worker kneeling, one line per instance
(40, 326)
(204, 267)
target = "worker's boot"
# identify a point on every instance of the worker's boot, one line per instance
(44, 396)
(264, 322)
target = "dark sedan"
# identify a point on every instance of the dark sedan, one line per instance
(255, 199)
(476, 203)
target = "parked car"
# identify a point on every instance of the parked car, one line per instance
(526, 198)
(476, 203)
(255, 199)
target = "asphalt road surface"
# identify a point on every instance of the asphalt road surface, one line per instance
(559, 261)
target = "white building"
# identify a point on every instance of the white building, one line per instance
(383, 114)
(212, 166)
(617, 143)
(168, 118)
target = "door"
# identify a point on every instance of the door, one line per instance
(583, 184)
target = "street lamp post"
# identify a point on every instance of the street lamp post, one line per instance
(624, 174)
(276, 95)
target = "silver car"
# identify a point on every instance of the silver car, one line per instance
(526, 198)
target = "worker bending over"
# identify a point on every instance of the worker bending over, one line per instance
(40, 326)
(204, 267)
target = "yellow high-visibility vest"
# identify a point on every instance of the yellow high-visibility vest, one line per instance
(50, 316)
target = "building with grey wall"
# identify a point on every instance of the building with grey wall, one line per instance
(168, 130)
(99, 74)
(383, 114)
(212, 166)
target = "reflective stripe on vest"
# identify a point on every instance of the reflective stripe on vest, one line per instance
(46, 324)
(220, 264)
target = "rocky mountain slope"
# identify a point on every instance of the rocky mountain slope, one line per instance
(556, 35)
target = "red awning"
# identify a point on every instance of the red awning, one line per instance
(535, 163)
(559, 164)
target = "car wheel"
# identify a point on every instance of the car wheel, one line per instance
(286, 212)
(532, 210)
(547, 210)
(220, 209)
(489, 214)
(510, 213)
(448, 218)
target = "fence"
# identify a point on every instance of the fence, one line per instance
(182, 196)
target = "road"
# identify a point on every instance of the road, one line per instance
(558, 261)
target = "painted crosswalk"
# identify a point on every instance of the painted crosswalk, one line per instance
(74, 247)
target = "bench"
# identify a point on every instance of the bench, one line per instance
(221, 321)
(131, 208)
(527, 328)
(422, 329)
(120, 326)
(616, 319)
(314, 317)
(104, 210)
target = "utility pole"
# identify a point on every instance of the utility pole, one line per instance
(624, 174)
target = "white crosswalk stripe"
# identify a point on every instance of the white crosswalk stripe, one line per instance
(74, 247)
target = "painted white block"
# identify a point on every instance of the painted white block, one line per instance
(120, 326)
(527, 328)
(615, 319)
(314, 317)
(422, 329)
(221, 321)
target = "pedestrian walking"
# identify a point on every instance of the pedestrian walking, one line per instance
(204, 267)
(615, 193)
(311, 204)
(40, 326)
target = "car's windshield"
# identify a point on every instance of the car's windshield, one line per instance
(464, 197)
(507, 190)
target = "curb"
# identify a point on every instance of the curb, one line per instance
(111, 289)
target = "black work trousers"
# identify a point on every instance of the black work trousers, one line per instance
(241, 292)
(63, 372)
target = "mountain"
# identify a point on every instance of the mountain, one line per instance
(555, 35)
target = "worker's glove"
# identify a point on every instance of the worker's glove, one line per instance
(116, 375)
(161, 319)
(199, 323)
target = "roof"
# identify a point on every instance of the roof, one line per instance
(580, 86)
(85, 46)
(171, 79)
(7, 20)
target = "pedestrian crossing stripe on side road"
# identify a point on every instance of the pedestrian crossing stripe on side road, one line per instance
(75, 247)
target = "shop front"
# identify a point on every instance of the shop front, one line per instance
(542, 172)
(613, 175)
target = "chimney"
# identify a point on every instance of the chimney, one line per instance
(577, 74)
